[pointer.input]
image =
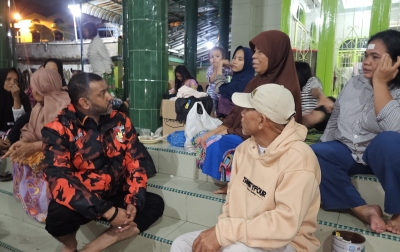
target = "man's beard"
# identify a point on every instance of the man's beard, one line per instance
(97, 110)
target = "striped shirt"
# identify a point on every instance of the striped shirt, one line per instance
(226, 71)
(308, 102)
(353, 120)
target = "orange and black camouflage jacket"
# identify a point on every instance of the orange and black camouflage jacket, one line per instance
(86, 163)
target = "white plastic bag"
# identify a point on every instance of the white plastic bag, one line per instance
(196, 123)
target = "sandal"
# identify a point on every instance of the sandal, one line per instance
(5, 176)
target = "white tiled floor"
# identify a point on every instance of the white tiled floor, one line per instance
(175, 206)
(26, 237)
(165, 226)
(208, 189)
(179, 183)
(183, 213)
(185, 228)
(328, 216)
(202, 211)
(21, 235)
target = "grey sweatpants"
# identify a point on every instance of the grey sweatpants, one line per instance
(184, 243)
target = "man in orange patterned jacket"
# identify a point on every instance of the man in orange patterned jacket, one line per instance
(95, 170)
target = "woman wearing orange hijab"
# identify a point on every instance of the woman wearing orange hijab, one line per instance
(274, 63)
(26, 154)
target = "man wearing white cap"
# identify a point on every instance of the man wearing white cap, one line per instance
(273, 196)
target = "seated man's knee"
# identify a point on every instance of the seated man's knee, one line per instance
(386, 139)
(159, 202)
(181, 244)
(236, 247)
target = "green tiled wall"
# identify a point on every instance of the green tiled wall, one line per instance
(148, 60)
(4, 42)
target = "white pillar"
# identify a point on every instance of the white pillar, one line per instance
(250, 17)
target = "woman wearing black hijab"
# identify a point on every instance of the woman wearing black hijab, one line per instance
(13, 101)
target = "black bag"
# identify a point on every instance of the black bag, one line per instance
(183, 106)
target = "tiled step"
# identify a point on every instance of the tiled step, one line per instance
(203, 207)
(190, 206)
(188, 199)
(177, 162)
(19, 236)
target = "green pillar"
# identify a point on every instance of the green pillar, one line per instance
(286, 16)
(191, 7)
(380, 16)
(224, 12)
(326, 45)
(4, 39)
(125, 47)
(148, 60)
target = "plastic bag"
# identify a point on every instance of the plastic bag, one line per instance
(197, 122)
(177, 138)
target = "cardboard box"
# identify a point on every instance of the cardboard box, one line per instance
(169, 118)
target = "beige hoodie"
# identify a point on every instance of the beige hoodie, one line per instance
(273, 199)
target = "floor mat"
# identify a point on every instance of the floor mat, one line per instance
(313, 136)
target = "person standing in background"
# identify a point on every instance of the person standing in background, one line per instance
(98, 55)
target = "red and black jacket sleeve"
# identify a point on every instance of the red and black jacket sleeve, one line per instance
(136, 179)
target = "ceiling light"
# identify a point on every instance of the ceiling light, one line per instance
(209, 44)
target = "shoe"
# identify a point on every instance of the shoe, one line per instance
(5, 176)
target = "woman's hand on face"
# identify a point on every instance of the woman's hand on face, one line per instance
(386, 70)
(15, 91)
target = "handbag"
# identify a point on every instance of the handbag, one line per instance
(184, 105)
(196, 122)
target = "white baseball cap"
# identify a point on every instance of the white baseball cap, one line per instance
(272, 100)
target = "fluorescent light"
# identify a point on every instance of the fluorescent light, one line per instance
(209, 44)
(75, 10)
(173, 51)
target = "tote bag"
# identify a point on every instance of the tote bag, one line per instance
(195, 123)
